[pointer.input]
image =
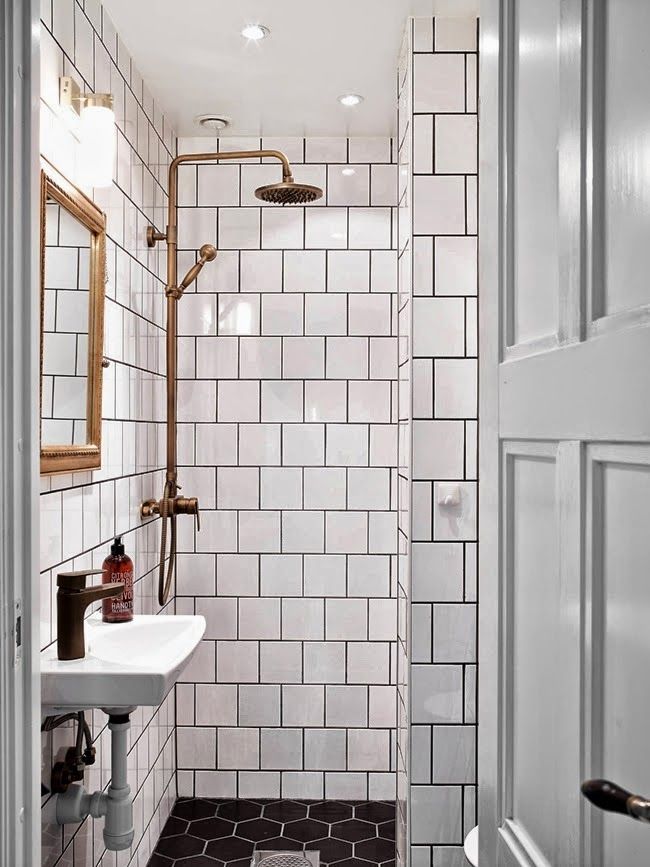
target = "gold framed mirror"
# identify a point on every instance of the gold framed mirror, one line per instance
(73, 269)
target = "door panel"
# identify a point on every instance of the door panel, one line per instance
(541, 613)
(533, 295)
(622, 59)
(583, 388)
(564, 510)
(619, 520)
(535, 592)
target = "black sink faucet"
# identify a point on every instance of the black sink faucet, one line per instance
(72, 599)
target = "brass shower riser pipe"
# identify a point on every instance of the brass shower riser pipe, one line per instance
(286, 192)
(171, 236)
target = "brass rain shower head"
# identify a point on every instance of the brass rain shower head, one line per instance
(288, 192)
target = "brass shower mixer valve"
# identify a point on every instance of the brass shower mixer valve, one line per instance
(168, 506)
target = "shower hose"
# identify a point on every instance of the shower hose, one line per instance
(166, 513)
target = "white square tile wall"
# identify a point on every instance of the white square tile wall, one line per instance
(292, 400)
(81, 512)
(306, 404)
(436, 660)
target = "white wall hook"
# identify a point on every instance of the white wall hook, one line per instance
(448, 494)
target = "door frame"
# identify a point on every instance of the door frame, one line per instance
(490, 241)
(20, 820)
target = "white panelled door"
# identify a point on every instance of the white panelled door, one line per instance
(564, 691)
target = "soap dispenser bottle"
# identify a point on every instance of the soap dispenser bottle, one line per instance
(118, 567)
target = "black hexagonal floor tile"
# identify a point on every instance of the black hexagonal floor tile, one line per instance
(354, 830)
(305, 830)
(211, 829)
(332, 850)
(374, 811)
(376, 850)
(173, 825)
(196, 861)
(277, 844)
(330, 811)
(193, 808)
(239, 811)
(285, 811)
(387, 830)
(223, 832)
(180, 846)
(258, 829)
(230, 849)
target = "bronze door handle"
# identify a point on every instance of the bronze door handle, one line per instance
(612, 798)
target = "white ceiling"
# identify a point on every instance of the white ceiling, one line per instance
(194, 60)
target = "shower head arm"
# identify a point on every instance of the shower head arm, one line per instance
(231, 155)
(212, 156)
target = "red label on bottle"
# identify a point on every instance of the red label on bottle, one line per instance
(120, 607)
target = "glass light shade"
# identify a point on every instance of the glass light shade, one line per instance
(97, 145)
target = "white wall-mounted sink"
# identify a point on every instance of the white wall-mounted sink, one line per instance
(126, 664)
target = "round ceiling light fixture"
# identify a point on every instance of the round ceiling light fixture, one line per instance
(214, 122)
(350, 99)
(256, 32)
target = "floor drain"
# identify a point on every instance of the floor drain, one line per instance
(263, 858)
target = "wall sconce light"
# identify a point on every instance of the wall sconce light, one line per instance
(96, 131)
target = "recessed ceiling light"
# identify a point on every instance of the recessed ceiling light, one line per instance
(350, 99)
(255, 32)
(348, 171)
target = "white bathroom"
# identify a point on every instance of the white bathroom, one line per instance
(325, 528)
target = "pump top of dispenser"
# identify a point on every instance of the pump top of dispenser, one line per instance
(117, 548)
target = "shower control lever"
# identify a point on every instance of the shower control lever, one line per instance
(168, 507)
(189, 506)
(612, 798)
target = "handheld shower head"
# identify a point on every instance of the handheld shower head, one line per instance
(207, 253)
(288, 192)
